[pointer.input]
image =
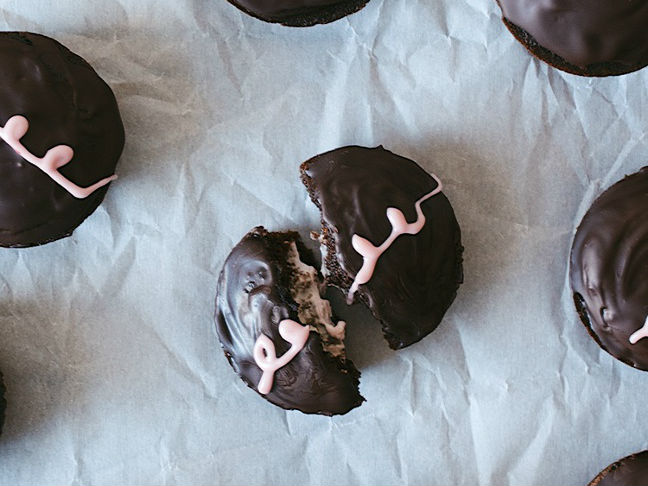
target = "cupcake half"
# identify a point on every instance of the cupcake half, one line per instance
(276, 330)
(389, 237)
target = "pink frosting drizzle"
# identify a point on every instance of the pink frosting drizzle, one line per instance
(400, 226)
(265, 354)
(55, 158)
(640, 333)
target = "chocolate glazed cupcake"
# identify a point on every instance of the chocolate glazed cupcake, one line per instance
(389, 237)
(629, 471)
(60, 138)
(609, 270)
(583, 37)
(299, 13)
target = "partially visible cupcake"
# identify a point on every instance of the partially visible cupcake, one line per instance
(60, 138)
(299, 13)
(629, 471)
(584, 37)
(609, 270)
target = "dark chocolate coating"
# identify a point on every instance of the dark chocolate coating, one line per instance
(417, 278)
(629, 471)
(299, 13)
(585, 37)
(253, 297)
(65, 102)
(609, 268)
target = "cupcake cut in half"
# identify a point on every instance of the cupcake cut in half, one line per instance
(389, 238)
(299, 13)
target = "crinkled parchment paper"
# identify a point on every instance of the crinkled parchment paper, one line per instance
(113, 369)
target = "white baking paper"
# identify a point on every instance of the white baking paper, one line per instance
(107, 344)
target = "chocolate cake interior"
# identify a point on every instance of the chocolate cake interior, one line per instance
(306, 289)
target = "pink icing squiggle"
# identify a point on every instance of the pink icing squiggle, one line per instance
(400, 226)
(55, 158)
(639, 334)
(265, 354)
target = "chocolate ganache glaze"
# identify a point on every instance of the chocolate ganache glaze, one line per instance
(629, 471)
(382, 209)
(299, 13)
(256, 312)
(609, 270)
(590, 37)
(61, 133)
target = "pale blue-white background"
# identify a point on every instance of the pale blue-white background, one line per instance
(113, 369)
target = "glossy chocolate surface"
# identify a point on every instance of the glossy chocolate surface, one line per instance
(609, 268)
(253, 297)
(629, 471)
(299, 13)
(67, 103)
(417, 278)
(585, 32)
